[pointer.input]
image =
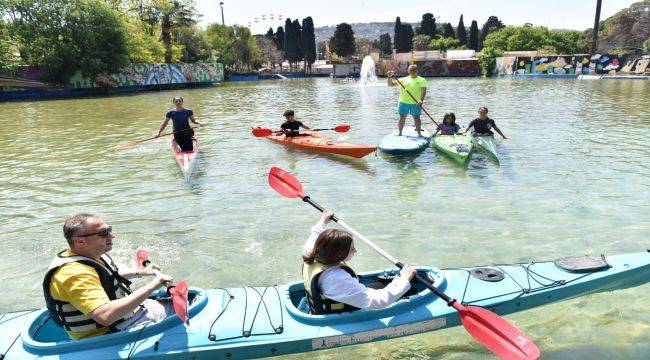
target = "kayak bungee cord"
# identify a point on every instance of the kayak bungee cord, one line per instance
(248, 333)
(3, 320)
(135, 342)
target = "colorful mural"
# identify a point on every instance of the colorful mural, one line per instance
(152, 74)
(572, 65)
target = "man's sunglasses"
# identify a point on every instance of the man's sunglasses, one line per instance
(102, 232)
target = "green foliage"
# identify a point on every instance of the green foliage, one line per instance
(421, 42)
(443, 44)
(192, 45)
(492, 24)
(233, 46)
(299, 50)
(384, 44)
(9, 57)
(487, 60)
(342, 43)
(279, 38)
(143, 47)
(461, 32)
(408, 34)
(472, 42)
(517, 38)
(398, 40)
(291, 39)
(428, 25)
(308, 41)
(63, 36)
(448, 31)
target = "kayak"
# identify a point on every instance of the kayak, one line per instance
(408, 143)
(185, 159)
(323, 144)
(487, 144)
(457, 147)
(262, 321)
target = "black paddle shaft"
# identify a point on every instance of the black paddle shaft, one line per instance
(424, 281)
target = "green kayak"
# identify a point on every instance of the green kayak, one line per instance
(457, 147)
(487, 144)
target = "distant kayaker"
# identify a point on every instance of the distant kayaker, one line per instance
(291, 127)
(332, 286)
(417, 86)
(181, 118)
(87, 294)
(448, 125)
(483, 124)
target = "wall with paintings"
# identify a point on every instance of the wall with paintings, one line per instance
(603, 64)
(434, 68)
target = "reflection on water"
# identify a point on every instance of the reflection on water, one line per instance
(574, 178)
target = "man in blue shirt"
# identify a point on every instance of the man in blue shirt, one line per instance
(181, 118)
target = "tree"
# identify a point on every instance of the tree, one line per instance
(233, 46)
(269, 34)
(192, 44)
(492, 24)
(9, 55)
(473, 36)
(408, 37)
(646, 46)
(398, 39)
(290, 43)
(449, 31)
(66, 36)
(279, 38)
(443, 44)
(342, 43)
(461, 32)
(269, 51)
(308, 42)
(421, 42)
(174, 14)
(299, 52)
(384, 45)
(362, 45)
(428, 25)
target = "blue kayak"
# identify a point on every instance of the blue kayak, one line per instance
(252, 322)
(408, 143)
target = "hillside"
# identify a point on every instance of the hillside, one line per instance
(370, 30)
(628, 28)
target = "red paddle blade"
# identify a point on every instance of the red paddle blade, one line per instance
(342, 128)
(140, 257)
(179, 295)
(285, 183)
(496, 334)
(261, 132)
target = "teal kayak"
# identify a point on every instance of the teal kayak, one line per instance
(487, 144)
(262, 321)
(457, 147)
(408, 143)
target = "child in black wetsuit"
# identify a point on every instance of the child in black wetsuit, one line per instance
(292, 126)
(483, 125)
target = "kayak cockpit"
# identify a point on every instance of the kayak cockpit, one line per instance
(43, 336)
(298, 308)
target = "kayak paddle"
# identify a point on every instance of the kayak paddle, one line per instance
(413, 97)
(135, 142)
(178, 292)
(491, 330)
(263, 132)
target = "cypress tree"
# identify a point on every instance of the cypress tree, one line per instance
(279, 38)
(269, 34)
(408, 37)
(290, 42)
(298, 30)
(384, 44)
(461, 32)
(342, 42)
(449, 31)
(428, 25)
(473, 36)
(308, 42)
(398, 38)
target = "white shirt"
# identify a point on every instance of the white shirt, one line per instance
(338, 285)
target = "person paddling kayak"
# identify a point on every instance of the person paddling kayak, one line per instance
(448, 125)
(417, 86)
(291, 127)
(85, 292)
(332, 286)
(483, 124)
(181, 118)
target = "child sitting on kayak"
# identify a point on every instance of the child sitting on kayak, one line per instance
(332, 286)
(292, 126)
(448, 125)
(483, 124)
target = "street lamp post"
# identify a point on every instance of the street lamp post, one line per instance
(223, 23)
(594, 39)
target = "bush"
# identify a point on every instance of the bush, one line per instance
(444, 44)
(487, 60)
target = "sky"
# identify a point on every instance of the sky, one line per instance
(555, 14)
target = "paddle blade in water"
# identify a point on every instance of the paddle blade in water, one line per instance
(496, 334)
(179, 295)
(141, 256)
(261, 132)
(285, 183)
(342, 128)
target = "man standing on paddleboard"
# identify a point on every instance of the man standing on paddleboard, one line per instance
(409, 103)
(181, 118)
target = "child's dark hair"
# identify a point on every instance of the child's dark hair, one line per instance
(450, 115)
(483, 107)
(288, 113)
(331, 247)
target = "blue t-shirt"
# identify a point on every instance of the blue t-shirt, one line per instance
(452, 129)
(181, 119)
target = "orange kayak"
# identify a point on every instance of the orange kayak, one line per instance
(323, 144)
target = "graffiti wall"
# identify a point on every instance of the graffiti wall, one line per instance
(434, 68)
(152, 74)
(572, 65)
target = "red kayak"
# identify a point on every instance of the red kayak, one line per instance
(323, 144)
(186, 159)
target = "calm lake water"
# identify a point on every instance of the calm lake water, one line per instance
(574, 179)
